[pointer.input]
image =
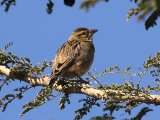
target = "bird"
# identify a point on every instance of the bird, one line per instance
(75, 57)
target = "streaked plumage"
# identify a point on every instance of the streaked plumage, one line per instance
(74, 57)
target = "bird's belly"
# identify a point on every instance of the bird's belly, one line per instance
(79, 68)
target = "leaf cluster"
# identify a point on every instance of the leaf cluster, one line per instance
(42, 97)
(20, 68)
(86, 4)
(149, 9)
(4, 102)
(89, 102)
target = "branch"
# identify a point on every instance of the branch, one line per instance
(86, 89)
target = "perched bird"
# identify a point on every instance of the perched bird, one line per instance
(74, 58)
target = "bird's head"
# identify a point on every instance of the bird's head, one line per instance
(83, 34)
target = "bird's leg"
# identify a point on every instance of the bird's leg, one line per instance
(81, 80)
(61, 81)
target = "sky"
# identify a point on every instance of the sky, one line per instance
(37, 35)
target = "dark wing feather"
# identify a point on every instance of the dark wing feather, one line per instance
(65, 57)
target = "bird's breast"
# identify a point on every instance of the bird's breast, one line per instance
(83, 62)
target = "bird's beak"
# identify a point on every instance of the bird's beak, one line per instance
(92, 31)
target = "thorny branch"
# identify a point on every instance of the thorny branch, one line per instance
(87, 89)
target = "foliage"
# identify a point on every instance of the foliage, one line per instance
(149, 9)
(86, 4)
(139, 116)
(89, 102)
(144, 9)
(152, 65)
(142, 113)
(10, 97)
(42, 97)
(20, 67)
(64, 100)
(153, 62)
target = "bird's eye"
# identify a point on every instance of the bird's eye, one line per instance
(83, 33)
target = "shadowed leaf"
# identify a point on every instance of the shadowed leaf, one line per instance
(49, 8)
(142, 113)
(8, 4)
(151, 21)
(69, 3)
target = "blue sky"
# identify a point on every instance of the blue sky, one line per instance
(38, 35)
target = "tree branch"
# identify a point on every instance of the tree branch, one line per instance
(87, 90)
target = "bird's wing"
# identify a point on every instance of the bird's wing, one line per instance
(65, 57)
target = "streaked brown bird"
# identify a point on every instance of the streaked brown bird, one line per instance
(74, 58)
